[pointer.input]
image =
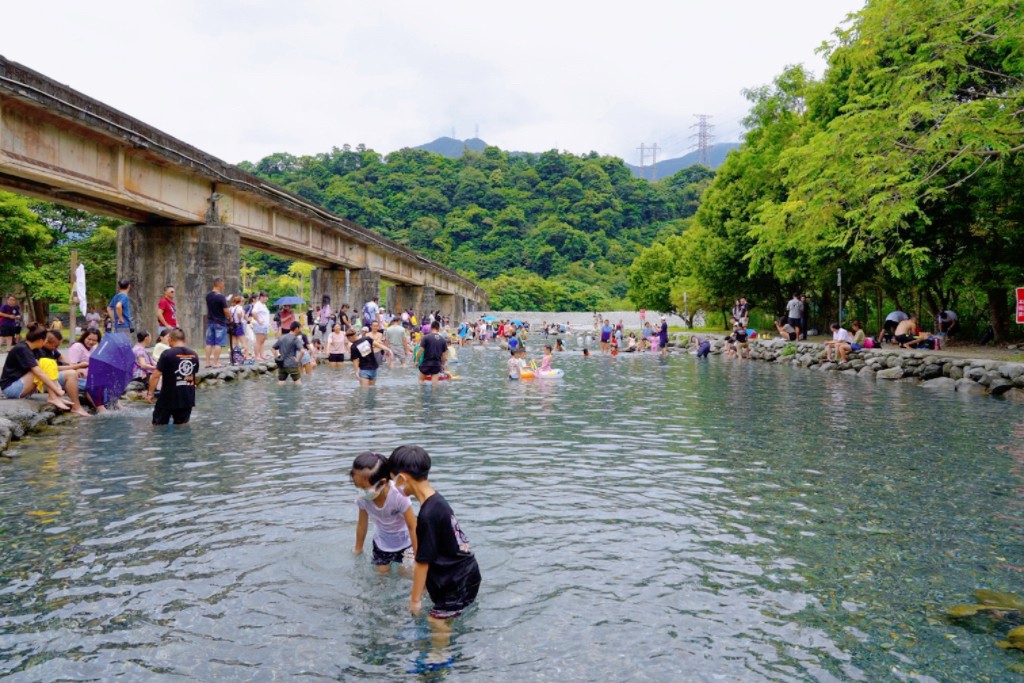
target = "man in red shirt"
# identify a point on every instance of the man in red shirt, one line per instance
(165, 310)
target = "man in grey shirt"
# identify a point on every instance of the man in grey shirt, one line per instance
(288, 348)
(793, 310)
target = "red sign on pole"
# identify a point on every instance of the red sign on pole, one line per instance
(1020, 305)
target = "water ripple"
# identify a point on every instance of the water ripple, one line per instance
(643, 519)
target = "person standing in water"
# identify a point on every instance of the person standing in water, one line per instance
(663, 335)
(394, 523)
(445, 565)
(178, 393)
(435, 354)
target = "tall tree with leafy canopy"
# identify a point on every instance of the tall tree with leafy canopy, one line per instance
(922, 107)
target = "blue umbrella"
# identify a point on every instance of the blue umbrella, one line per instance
(516, 322)
(490, 319)
(110, 368)
(289, 301)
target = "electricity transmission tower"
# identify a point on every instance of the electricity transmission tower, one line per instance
(704, 138)
(653, 149)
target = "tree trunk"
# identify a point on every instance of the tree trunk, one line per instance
(999, 313)
(41, 311)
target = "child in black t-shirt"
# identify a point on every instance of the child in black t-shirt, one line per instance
(445, 565)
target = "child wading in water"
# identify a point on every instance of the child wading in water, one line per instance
(394, 524)
(445, 565)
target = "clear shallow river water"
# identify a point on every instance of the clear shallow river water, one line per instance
(644, 519)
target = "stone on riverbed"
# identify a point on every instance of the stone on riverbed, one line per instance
(969, 386)
(999, 386)
(944, 383)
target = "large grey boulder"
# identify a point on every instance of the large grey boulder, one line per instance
(890, 373)
(969, 386)
(943, 383)
(1011, 370)
(998, 387)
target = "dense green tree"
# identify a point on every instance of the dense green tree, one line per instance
(902, 166)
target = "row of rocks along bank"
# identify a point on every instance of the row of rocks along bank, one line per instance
(929, 369)
(19, 417)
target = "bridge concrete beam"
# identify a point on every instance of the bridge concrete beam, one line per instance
(187, 257)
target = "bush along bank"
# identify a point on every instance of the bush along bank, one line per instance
(21, 417)
(929, 369)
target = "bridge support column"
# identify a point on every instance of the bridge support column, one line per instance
(363, 285)
(187, 257)
(446, 304)
(329, 281)
(405, 297)
(428, 301)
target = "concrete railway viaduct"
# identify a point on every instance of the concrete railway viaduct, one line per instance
(191, 213)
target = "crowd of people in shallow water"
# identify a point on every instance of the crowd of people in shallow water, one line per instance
(365, 341)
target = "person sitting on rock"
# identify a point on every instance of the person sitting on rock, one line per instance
(840, 338)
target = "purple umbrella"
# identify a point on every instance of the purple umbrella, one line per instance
(110, 368)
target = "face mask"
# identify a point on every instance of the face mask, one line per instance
(400, 487)
(371, 494)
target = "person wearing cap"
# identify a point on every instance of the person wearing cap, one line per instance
(364, 358)
(663, 335)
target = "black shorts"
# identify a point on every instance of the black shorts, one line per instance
(335, 358)
(451, 604)
(905, 338)
(430, 370)
(794, 323)
(381, 557)
(162, 416)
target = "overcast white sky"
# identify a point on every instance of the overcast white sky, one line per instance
(241, 80)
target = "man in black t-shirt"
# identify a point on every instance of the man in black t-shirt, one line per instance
(364, 360)
(217, 314)
(178, 366)
(445, 564)
(21, 370)
(435, 354)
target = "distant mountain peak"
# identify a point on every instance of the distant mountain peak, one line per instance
(453, 148)
(669, 167)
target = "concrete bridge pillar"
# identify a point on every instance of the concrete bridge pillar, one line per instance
(363, 285)
(329, 281)
(446, 304)
(403, 297)
(428, 301)
(187, 257)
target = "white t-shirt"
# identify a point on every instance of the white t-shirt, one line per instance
(390, 531)
(261, 313)
(842, 335)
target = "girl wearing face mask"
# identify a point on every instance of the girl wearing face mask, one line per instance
(394, 523)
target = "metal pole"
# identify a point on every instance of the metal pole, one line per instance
(839, 275)
(71, 296)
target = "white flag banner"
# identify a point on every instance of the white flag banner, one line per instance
(80, 286)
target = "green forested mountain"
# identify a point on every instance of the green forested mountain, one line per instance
(552, 231)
